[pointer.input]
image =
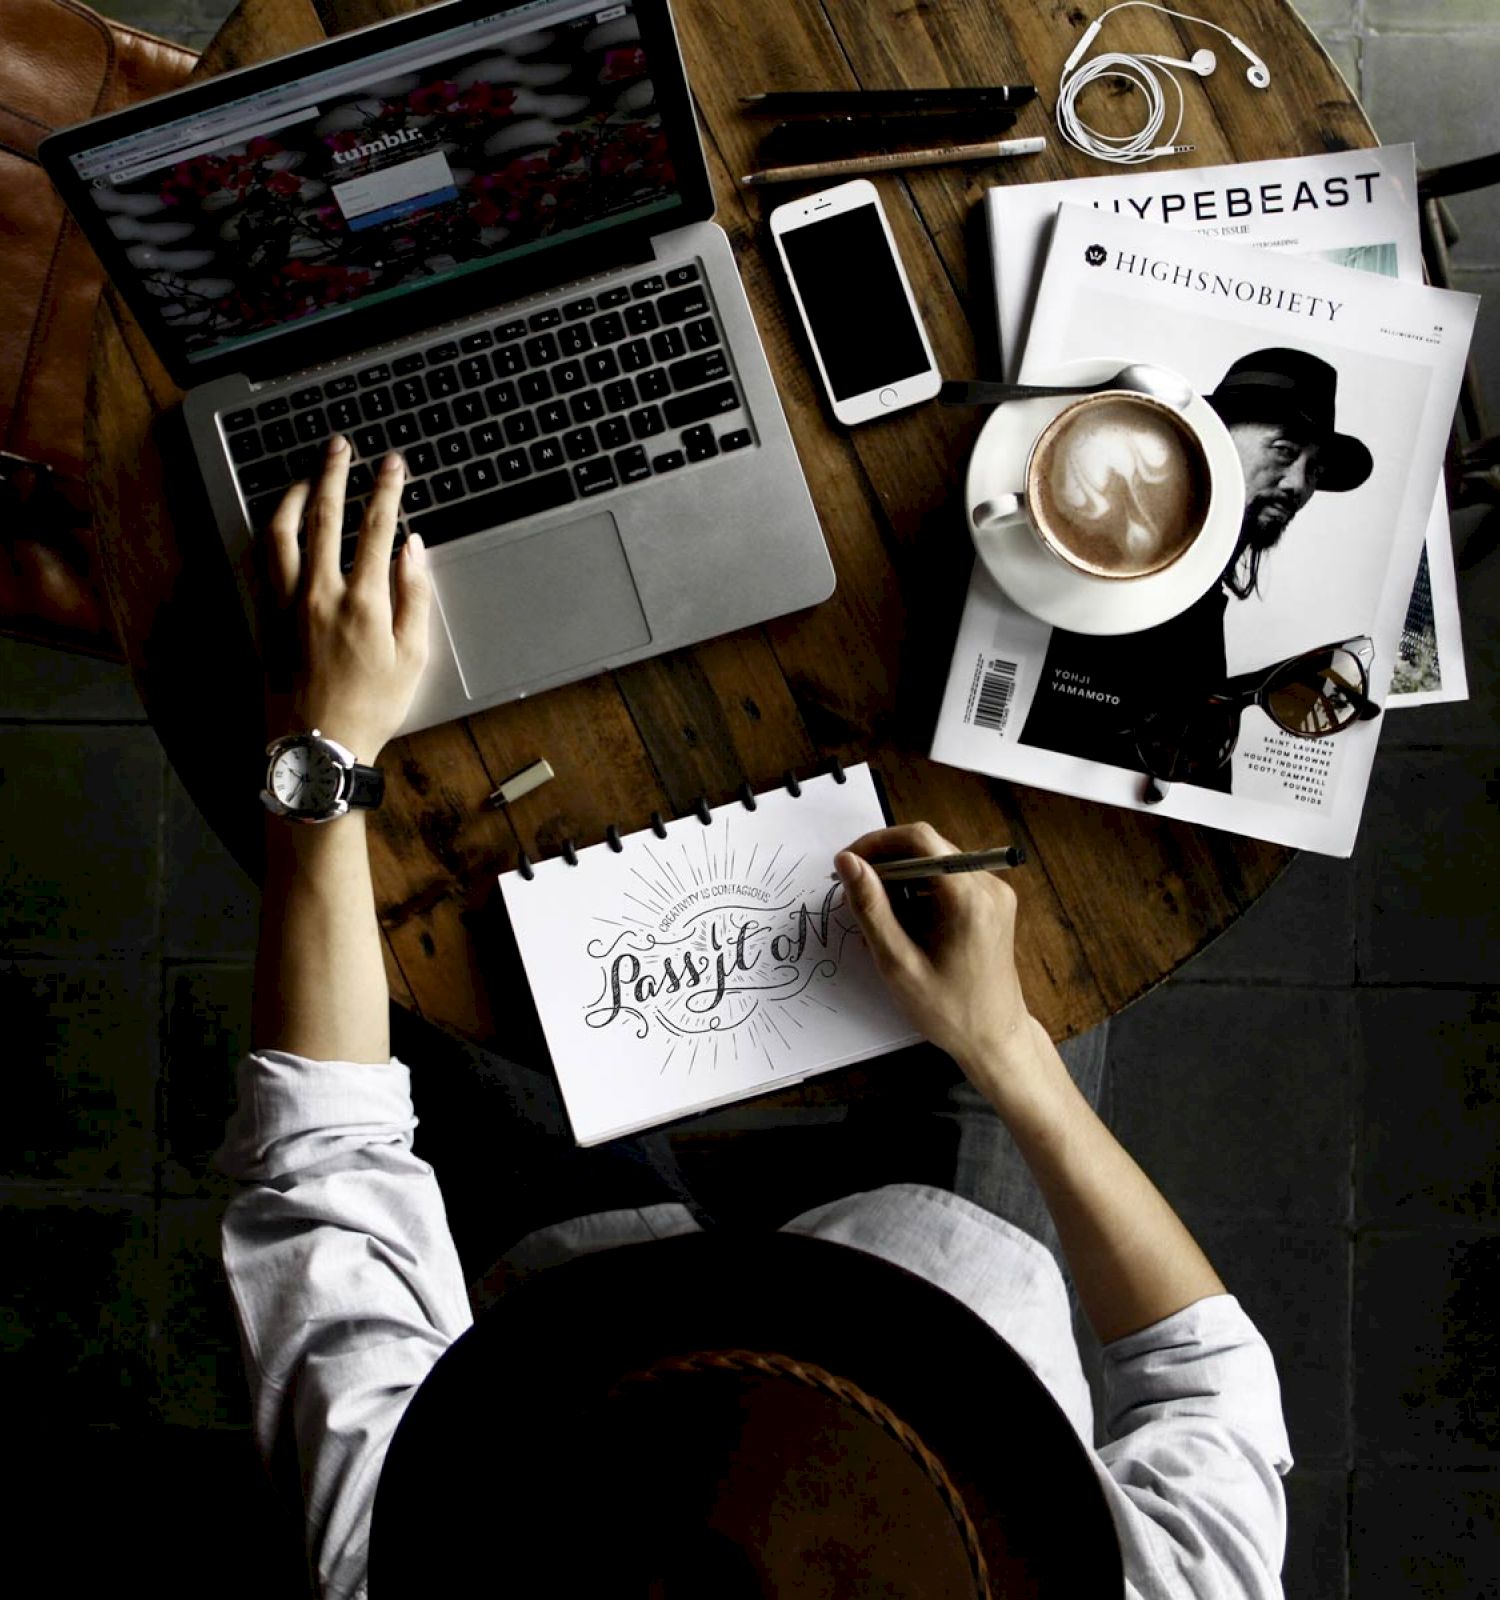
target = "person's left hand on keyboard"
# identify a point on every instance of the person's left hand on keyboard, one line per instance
(345, 650)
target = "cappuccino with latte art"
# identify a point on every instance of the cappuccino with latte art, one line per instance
(1118, 485)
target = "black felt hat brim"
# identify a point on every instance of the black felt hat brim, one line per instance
(1345, 460)
(474, 1462)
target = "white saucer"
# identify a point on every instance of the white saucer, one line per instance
(1045, 586)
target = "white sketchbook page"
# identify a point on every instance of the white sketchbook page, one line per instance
(625, 954)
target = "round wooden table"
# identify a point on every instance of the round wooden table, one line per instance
(1112, 901)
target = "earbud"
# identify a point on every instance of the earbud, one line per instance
(1203, 62)
(1259, 74)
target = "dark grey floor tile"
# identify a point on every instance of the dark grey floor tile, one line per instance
(1426, 1349)
(1293, 1282)
(188, 22)
(1317, 1535)
(1428, 1145)
(1300, 931)
(1237, 1101)
(1467, 723)
(81, 1084)
(42, 685)
(187, 1512)
(80, 811)
(200, 1368)
(1437, 89)
(211, 906)
(1419, 1535)
(1429, 869)
(75, 1307)
(208, 1030)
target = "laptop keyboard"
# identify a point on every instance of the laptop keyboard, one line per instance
(566, 403)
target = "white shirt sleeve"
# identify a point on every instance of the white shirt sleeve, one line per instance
(345, 1281)
(1196, 1451)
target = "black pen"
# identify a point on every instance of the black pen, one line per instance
(837, 136)
(794, 101)
(1010, 855)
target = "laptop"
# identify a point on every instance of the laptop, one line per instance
(481, 235)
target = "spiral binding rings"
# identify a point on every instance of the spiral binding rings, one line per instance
(700, 809)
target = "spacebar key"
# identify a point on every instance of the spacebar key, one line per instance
(482, 511)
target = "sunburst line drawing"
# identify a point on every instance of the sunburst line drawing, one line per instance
(664, 867)
(789, 872)
(655, 892)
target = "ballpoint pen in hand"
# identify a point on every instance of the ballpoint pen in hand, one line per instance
(1010, 855)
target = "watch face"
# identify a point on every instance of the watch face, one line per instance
(306, 779)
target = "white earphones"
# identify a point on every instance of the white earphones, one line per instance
(1131, 149)
(1203, 62)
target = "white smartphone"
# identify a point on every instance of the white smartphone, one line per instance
(856, 305)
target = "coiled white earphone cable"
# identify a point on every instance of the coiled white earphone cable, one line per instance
(1140, 70)
(1125, 149)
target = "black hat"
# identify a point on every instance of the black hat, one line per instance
(738, 1416)
(1281, 385)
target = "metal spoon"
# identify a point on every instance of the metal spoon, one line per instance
(1158, 382)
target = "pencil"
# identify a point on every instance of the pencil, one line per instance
(1010, 855)
(897, 162)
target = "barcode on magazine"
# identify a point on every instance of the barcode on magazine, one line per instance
(997, 685)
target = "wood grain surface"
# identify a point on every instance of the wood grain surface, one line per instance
(1112, 901)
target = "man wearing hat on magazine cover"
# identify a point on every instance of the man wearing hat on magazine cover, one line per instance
(1278, 405)
(881, 1395)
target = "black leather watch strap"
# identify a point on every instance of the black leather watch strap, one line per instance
(366, 787)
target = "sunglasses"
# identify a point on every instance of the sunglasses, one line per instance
(1312, 696)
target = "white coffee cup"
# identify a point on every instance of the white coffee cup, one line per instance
(1117, 486)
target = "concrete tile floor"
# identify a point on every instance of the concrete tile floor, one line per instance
(1316, 1093)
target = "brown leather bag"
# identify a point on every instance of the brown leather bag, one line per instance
(59, 63)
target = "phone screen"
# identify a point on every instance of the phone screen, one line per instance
(856, 304)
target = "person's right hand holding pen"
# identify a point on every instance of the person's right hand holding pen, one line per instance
(958, 985)
(952, 970)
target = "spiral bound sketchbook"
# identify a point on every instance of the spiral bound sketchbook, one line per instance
(704, 960)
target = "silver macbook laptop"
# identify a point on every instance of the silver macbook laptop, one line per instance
(481, 236)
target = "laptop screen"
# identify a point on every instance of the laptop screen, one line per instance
(504, 136)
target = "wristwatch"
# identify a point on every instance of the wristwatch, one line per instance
(311, 778)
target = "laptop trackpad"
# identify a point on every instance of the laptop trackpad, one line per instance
(534, 607)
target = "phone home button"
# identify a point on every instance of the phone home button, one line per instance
(887, 397)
